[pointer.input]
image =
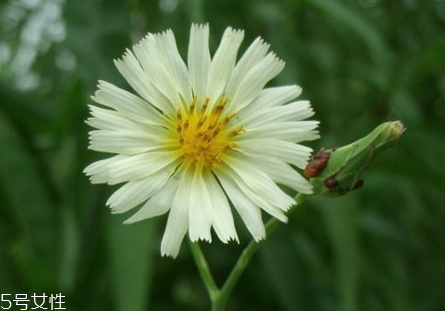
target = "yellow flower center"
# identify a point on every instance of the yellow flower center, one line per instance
(204, 136)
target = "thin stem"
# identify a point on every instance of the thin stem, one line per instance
(221, 299)
(204, 270)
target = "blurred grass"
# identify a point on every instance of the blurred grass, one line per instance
(360, 62)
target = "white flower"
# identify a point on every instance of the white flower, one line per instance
(201, 135)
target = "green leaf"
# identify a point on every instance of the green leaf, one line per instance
(133, 249)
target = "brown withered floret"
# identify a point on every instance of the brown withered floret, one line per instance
(318, 163)
(331, 182)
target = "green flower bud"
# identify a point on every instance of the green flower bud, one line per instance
(337, 171)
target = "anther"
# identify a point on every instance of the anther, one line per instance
(229, 118)
(202, 120)
(206, 104)
(193, 105)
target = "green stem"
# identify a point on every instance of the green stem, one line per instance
(220, 302)
(204, 271)
(218, 296)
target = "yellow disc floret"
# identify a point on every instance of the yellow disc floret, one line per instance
(204, 136)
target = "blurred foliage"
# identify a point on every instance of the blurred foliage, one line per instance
(360, 62)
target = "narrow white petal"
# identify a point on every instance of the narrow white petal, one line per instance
(106, 119)
(274, 96)
(222, 215)
(249, 212)
(178, 219)
(200, 214)
(137, 191)
(254, 54)
(132, 71)
(281, 173)
(254, 81)
(289, 131)
(261, 201)
(129, 105)
(223, 63)
(291, 153)
(159, 204)
(140, 166)
(125, 141)
(199, 59)
(148, 53)
(259, 187)
(295, 111)
(173, 64)
(98, 170)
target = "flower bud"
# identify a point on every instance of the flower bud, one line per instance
(337, 171)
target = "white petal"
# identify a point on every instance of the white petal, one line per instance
(200, 214)
(132, 71)
(148, 53)
(249, 212)
(140, 166)
(254, 54)
(259, 187)
(173, 63)
(223, 63)
(255, 80)
(274, 96)
(295, 111)
(222, 215)
(199, 59)
(129, 105)
(137, 191)
(178, 219)
(291, 153)
(290, 131)
(106, 119)
(159, 204)
(281, 173)
(124, 141)
(98, 170)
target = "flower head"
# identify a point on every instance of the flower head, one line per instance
(201, 135)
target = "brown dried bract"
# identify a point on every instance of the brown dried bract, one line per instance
(318, 163)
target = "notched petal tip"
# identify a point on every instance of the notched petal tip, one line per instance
(207, 239)
(260, 238)
(231, 239)
(198, 26)
(173, 256)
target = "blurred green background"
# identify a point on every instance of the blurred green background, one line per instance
(360, 62)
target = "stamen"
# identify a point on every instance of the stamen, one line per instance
(201, 134)
(192, 106)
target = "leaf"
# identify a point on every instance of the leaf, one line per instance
(133, 249)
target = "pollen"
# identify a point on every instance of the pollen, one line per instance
(205, 135)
